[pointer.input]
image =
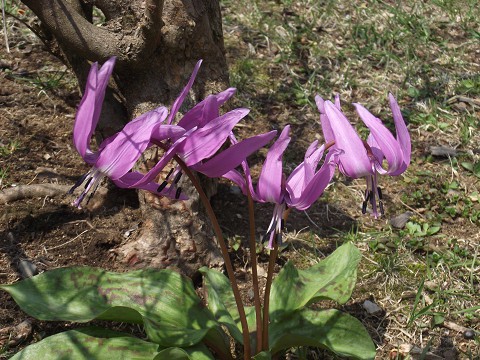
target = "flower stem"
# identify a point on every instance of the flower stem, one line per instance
(266, 296)
(226, 256)
(253, 263)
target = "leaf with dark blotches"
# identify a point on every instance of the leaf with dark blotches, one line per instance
(330, 329)
(163, 300)
(332, 278)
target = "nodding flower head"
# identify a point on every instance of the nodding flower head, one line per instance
(359, 158)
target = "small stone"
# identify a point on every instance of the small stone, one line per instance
(399, 221)
(371, 308)
(27, 269)
(443, 151)
(469, 334)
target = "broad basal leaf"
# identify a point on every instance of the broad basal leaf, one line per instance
(163, 300)
(332, 278)
(196, 352)
(222, 303)
(89, 343)
(331, 329)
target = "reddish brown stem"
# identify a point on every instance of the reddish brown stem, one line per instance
(266, 298)
(226, 256)
(253, 263)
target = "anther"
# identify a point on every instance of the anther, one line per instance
(177, 178)
(368, 196)
(169, 173)
(162, 186)
(79, 182)
(282, 224)
(177, 193)
(379, 190)
(364, 207)
(278, 238)
(380, 203)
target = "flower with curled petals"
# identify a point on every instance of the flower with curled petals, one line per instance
(358, 158)
(299, 191)
(117, 154)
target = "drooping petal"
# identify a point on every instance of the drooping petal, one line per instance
(194, 116)
(305, 171)
(234, 155)
(119, 156)
(403, 137)
(270, 181)
(353, 161)
(314, 188)
(129, 179)
(162, 132)
(205, 142)
(88, 112)
(383, 137)
(179, 101)
(165, 159)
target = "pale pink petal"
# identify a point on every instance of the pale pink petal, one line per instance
(270, 182)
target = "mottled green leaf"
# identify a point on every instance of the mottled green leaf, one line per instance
(264, 355)
(163, 300)
(89, 343)
(222, 303)
(331, 329)
(197, 352)
(332, 278)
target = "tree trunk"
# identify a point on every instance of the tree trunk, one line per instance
(157, 44)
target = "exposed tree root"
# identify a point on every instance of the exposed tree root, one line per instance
(31, 191)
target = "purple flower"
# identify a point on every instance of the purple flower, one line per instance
(358, 158)
(300, 190)
(117, 154)
(206, 132)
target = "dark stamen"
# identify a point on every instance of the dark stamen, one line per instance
(169, 173)
(88, 182)
(79, 182)
(178, 192)
(282, 224)
(162, 186)
(380, 203)
(177, 178)
(278, 238)
(368, 196)
(379, 190)
(364, 207)
(93, 192)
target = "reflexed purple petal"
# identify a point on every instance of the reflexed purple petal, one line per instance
(270, 182)
(324, 121)
(119, 156)
(162, 132)
(403, 137)
(305, 171)
(206, 141)
(166, 158)
(384, 138)
(234, 155)
(88, 112)
(353, 161)
(129, 179)
(179, 101)
(194, 116)
(314, 189)
(210, 110)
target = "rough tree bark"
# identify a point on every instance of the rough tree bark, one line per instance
(157, 43)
